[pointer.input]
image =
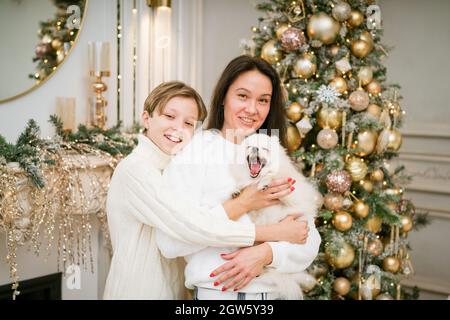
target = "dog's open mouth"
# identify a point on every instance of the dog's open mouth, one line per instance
(255, 165)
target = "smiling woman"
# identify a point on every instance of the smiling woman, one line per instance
(39, 35)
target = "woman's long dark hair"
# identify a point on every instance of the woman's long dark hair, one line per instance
(276, 117)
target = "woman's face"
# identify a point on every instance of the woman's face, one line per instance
(246, 104)
(172, 127)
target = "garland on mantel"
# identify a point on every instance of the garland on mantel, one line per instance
(48, 173)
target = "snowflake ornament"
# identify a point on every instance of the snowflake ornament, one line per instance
(327, 94)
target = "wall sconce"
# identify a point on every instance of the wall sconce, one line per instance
(99, 66)
(159, 3)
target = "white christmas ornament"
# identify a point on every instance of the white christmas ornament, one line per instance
(327, 94)
(304, 126)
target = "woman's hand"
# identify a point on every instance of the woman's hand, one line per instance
(245, 264)
(251, 198)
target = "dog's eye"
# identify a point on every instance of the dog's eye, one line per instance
(265, 149)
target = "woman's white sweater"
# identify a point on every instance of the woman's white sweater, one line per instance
(201, 171)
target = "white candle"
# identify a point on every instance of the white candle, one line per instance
(65, 110)
(99, 57)
(104, 57)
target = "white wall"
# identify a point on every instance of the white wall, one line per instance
(71, 80)
(419, 63)
(225, 23)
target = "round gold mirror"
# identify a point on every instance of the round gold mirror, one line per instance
(36, 37)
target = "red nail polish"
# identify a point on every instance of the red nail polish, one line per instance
(212, 275)
(292, 188)
(223, 254)
(294, 181)
(234, 289)
(216, 283)
(289, 179)
(224, 289)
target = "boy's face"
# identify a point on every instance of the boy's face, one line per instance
(172, 127)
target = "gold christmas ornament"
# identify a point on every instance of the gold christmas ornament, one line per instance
(367, 141)
(329, 118)
(391, 264)
(327, 138)
(334, 50)
(356, 18)
(333, 201)
(294, 112)
(338, 181)
(281, 29)
(375, 247)
(360, 48)
(294, 139)
(374, 110)
(407, 223)
(361, 209)
(384, 296)
(374, 224)
(342, 221)
(370, 287)
(367, 37)
(308, 282)
(377, 175)
(343, 258)
(341, 11)
(319, 167)
(374, 88)
(395, 109)
(341, 286)
(270, 52)
(296, 11)
(322, 27)
(367, 185)
(339, 84)
(389, 140)
(56, 44)
(305, 66)
(356, 167)
(359, 100)
(365, 75)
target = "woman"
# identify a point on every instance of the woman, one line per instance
(138, 202)
(247, 97)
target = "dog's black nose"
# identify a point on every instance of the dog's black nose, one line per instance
(254, 150)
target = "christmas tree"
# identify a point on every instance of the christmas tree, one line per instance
(56, 37)
(343, 119)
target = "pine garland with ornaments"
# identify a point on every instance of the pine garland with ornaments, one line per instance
(343, 126)
(49, 187)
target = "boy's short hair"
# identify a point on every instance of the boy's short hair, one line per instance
(161, 95)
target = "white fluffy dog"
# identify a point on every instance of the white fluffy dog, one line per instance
(262, 159)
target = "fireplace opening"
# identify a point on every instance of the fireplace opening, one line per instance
(41, 288)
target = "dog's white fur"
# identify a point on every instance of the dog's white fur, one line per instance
(304, 199)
